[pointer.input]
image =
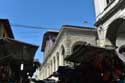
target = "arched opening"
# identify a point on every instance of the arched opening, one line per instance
(116, 35)
(54, 64)
(63, 54)
(122, 49)
(120, 36)
(57, 59)
(116, 32)
(51, 67)
(77, 45)
(63, 50)
(121, 52)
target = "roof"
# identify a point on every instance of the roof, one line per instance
(87, 52)
(16, 50)
(7, 26)
(72, 27)
(75, 26)
(45, 38)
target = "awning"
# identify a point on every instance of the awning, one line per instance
(86, 53)
(18, 51)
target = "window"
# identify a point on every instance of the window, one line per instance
(63, 50)
(109, 1)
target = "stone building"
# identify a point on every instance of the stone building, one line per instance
(110, 23)
(16, 57)
(109, 34)
(58, 45)
(110, 15)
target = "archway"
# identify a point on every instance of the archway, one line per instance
(116, 32)
(77, 45)
(63, 54)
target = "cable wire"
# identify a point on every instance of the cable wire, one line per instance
(32, 27)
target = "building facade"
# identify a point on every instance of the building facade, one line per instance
(110, 23)
(68, 40)
(110, 15)
(14, 54)
(109, 33)
(5, 29)
(5, 32)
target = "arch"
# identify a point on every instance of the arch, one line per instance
(51, 66)
(76, 45)
(114, 30)
(62, 50)
(54, 63)
(63, 54)
(57, 59)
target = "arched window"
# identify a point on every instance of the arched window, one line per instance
(116, 32)
(63, 55)
(57, 59)
(54, 63)
(63, 50)
(51, 67)
(109, 1)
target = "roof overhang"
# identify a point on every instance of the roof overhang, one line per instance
(18, 51)
(87, 53)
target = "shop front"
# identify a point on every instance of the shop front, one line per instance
(16, 61)
(97, 65)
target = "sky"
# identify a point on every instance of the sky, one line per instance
(45, 15)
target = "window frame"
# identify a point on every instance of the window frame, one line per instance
(108, 2)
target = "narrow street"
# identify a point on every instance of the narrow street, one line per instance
(62, 41)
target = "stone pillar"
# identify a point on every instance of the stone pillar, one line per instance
(61, 60)
(101, 34)
(43, 72)
(52, 65)
(54, 59)
(56, 63)
(57, 60)
(46, 71)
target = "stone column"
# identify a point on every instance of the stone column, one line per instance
(52, 65)
(61, 60)
(56, 66)
(51, 69)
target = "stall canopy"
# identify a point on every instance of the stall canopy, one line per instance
(86, 53)
(13, 50)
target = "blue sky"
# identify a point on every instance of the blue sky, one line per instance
(47, 14)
